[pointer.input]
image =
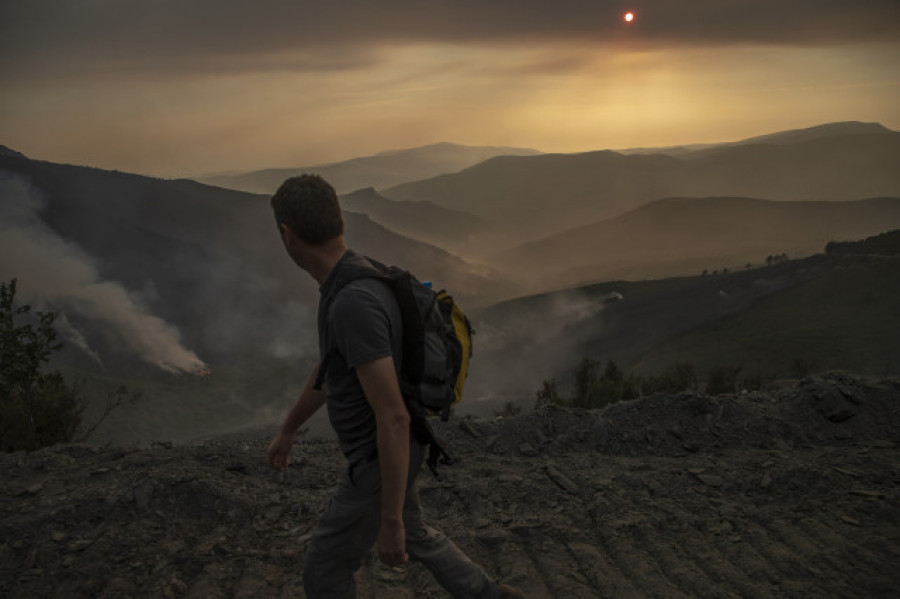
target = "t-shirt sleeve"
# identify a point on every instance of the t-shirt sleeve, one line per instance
(361, 326)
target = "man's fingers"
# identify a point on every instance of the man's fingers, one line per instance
(278, 460)
(394, 558)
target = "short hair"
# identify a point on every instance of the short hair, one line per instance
(309, 205)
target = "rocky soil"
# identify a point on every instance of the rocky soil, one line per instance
(789, 493)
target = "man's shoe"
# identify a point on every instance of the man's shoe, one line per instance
(508, 592)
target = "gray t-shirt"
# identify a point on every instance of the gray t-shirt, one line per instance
(363, 323)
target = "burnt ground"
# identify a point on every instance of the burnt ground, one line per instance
(788, 493)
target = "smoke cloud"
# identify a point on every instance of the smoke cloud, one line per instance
(58, 275)
(518, 350)
(93, 38)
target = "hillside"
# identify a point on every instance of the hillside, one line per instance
(530, 197)
(771, 494)
(845, 318)
(828, 311)
(449, 229)
(381, 170)
(886, 244)
(678, 236)
(132, 260)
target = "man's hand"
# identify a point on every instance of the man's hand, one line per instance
(379, 381)
(392, 543)
(309, 401)
(279, 450)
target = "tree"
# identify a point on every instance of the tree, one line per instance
(36, 408)
(585, 380)
(675, 379)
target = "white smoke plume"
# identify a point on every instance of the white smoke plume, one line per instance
(56, 274)
(71, 334)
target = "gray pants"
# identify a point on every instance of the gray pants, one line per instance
(349, 527)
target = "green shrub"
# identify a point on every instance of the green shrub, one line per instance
(36, 408)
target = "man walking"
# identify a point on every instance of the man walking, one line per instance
(376, 501)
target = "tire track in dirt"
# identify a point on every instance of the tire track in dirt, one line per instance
(546, 553)
(838, 553)
(678, 565)
(602, 575)
(782, 559)
(638, 565)
(819, 564)
(696, 546)
(752, 564)
(515, 566)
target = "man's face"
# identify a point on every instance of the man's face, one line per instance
(295, 248)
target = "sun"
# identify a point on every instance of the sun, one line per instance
(629, 17)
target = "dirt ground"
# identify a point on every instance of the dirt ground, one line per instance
(789, 493)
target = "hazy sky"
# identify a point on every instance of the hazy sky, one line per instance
(185, 87)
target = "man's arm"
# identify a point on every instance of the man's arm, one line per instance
(307, 404)
(379, 382)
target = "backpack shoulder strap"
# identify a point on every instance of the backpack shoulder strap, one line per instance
(372, 270)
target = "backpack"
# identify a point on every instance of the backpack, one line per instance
(437, 347)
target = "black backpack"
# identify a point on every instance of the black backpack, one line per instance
(437, 346)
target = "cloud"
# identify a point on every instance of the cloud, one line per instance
(57, 275)
(42, 37)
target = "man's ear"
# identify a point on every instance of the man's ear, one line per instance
(286, 233)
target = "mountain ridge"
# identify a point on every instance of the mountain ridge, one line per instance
(531, 197)
(181, 256)
(383, 169)
(668, 237)
(825, 129)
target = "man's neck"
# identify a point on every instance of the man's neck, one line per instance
(325, 258)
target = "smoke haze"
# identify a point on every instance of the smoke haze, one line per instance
(56, 274)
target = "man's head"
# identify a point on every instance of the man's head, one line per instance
(309, 207)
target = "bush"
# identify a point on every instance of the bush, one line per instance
(614, 385)
(801, 367)
(756, 382)
(36, 409)
(548, 394)
(585, 382)
(675, 379)
(723, 379)
(509, 410)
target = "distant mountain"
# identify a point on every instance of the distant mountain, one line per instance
(531, 196)
(450, 229)
(132, 261)
(781, 137)
(679, 236)
(818, 132)
(381, 170)
(470, 284)
(4, 151)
